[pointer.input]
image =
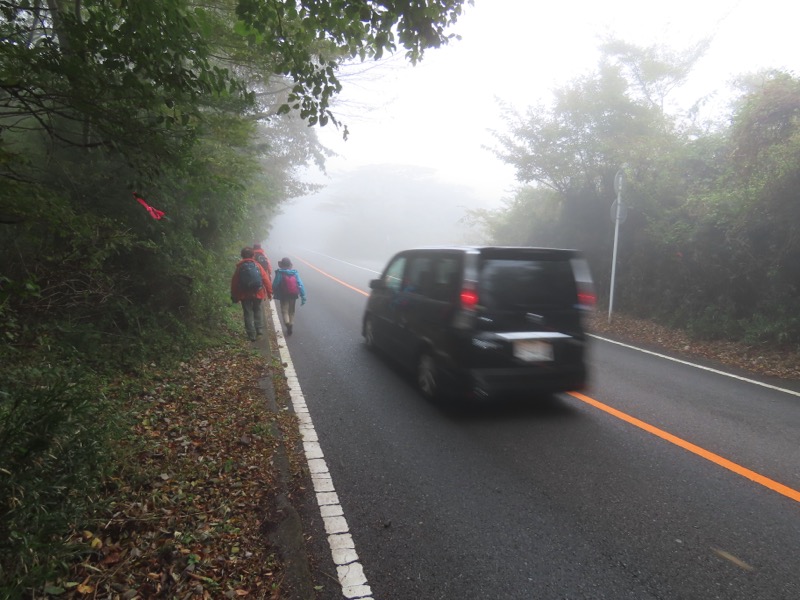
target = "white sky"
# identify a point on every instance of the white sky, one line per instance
(439, 113)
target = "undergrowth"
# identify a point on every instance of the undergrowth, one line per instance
(64, 387)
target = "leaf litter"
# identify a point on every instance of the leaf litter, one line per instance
(756, 359)
(186, 517)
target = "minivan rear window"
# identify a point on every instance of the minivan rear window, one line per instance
(525, 284)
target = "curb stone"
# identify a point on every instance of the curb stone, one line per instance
(293, 524)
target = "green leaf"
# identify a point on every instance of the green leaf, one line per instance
(54, 590)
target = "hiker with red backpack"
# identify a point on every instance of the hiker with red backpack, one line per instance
(250, 284)
(288, 288)
(261, 258)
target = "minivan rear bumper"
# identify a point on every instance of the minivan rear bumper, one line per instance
(486, 383)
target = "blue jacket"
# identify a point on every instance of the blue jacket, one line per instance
(277, 288)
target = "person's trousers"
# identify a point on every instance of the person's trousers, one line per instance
(253, 318)
(287, 310)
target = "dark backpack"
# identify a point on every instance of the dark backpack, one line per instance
(250, 277)
(262, 260)
(290, 285)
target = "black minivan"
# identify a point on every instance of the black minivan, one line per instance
(480, 322)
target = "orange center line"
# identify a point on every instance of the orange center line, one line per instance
(347, 285)
(694, 449)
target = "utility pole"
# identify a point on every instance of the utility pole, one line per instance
(619, 213)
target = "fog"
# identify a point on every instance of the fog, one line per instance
(370, 213)
(416, 157)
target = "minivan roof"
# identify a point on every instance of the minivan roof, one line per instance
(496, 249)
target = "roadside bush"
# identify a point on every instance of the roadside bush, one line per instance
(54, 426)
(58, 429)
(782, 328)
(715, 322)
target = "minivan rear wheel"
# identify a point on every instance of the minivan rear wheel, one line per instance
(428, 376)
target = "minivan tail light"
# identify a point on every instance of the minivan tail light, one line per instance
(469, 299)
(587, 299)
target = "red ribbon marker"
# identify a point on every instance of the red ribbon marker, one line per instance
(154, 212)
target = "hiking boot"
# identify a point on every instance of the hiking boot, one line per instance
(288, 330)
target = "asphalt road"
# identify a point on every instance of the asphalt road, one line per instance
(691, 490)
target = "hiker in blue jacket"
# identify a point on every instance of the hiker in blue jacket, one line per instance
(288, 287)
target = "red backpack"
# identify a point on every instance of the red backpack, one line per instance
(262, 259)
(290, 284)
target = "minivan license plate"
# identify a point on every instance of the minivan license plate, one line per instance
(533, 350)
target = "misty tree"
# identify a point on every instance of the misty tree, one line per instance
(710, 242)
(525, 219)
(596, 125)
(742, 233)
(653, 72)
(101, 73)
(574, 147)
(131, 92)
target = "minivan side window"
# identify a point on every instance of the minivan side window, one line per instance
(393, 277)
(447, 276)
(420, 276)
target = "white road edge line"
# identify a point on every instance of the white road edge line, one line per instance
(696, 366)
(343, 550)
